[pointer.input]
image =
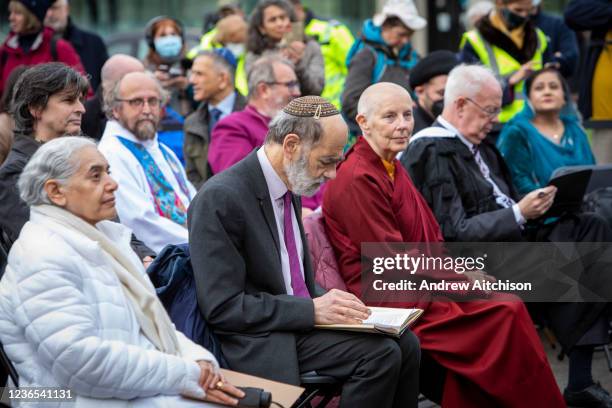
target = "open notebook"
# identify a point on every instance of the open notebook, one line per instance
(386, 320)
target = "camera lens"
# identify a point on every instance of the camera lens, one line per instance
(265, 399)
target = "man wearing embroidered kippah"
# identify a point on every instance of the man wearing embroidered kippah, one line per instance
(254, 278)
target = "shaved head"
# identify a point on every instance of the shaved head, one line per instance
(385, 118)
(117, 66)
(375, 94)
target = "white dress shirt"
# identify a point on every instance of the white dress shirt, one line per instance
(277, 189)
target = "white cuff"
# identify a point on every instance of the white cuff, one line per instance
(191, 382)
(194, 352)
(518, 217)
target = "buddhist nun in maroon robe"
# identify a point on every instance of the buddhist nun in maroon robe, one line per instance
(490, 349)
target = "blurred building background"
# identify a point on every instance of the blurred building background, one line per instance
(114, 18)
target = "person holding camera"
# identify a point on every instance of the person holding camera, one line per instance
(166, 58)
(273, 29)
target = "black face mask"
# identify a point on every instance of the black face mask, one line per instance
(513, 20)
(437, 107)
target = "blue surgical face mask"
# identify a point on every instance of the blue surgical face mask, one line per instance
(236, 48)
(168, 46)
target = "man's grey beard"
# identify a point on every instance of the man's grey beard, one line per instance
(301, 183)
(145, 130)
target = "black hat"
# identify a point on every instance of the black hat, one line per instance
(37, 7)
(436, 63)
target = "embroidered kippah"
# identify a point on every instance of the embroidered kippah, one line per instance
(310, 107)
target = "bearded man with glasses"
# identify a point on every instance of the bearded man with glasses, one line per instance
(154, 192)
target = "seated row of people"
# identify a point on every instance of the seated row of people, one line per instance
(251, 260)
(466, 183)
(47, 104)
(373, 199)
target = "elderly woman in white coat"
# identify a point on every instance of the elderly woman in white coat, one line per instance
(77, 310)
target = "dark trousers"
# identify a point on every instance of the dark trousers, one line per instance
(577, 323)
(583, 323)
(378, 371)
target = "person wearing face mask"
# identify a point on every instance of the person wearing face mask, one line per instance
(428, 80)
(211, 20)
(383, 53)
(467, 184)
(508, 42)
(545, 135)
(166, 58)
(230, 33)
(373, 199)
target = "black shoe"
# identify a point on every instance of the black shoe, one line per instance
(594, 396)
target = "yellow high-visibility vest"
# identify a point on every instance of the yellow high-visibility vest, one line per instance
(207, 43)
(335, 40)
(505, 65)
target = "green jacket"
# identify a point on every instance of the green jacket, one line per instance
(504, 65)
(335, 40)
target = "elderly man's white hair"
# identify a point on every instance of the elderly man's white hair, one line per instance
(467, 80)
(53, 160)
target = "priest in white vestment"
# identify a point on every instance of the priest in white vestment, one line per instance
(154, 192)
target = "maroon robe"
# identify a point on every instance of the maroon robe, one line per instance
(492, 353)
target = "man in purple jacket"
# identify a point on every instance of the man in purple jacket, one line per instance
(272, 85)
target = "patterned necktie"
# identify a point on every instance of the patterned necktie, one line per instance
(215, 115)
(297, 281)
(500, 198)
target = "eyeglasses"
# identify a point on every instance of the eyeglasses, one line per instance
(288, 84)
(491, 112)
(138, 103)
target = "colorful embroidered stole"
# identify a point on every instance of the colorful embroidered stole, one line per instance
(167, 202)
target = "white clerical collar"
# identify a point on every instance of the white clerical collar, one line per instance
(114, 128)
